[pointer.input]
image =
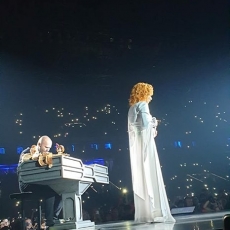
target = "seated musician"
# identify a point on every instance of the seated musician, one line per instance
(53, 202)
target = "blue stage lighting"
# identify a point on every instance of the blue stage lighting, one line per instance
(108, 146)
(2, 151)
(94, 146)
(19, 150)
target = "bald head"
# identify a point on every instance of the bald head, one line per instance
(44, 144)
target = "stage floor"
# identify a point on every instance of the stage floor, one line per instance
(209, 221)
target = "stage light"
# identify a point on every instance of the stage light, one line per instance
(124, 190)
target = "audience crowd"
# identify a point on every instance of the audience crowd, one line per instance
(124, 210)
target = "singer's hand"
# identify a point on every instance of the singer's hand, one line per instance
(155, 122)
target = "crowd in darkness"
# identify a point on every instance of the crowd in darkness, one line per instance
(123, 209)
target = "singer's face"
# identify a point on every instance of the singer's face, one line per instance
(149, 99)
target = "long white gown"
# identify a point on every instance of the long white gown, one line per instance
(150, 199)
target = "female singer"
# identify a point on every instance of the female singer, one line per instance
(150, 199)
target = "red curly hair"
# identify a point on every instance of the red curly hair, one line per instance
(140, 92)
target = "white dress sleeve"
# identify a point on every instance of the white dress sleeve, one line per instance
(146, 117)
